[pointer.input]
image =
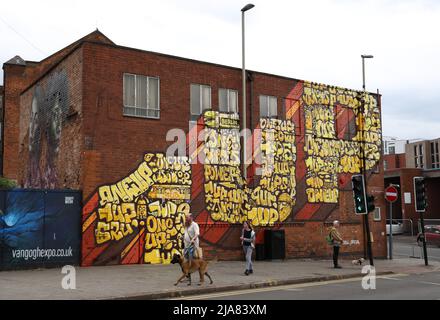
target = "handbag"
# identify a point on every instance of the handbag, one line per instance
(329, 239)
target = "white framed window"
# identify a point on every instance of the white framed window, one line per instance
(377, 216)
(228, 100)
(200, 99)
(268, 106)
(141, 96)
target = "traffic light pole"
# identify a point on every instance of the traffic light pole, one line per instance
(422, 225)
(364, 173)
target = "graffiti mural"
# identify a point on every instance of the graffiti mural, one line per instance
(50, 105)
(305, 161)
(147, 208)
(327, 154)
(227, 196)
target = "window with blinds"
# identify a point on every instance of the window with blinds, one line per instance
(268, 106)
(228, 100)
(200, 99)
(141, 96)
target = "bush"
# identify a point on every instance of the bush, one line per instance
(7, 183)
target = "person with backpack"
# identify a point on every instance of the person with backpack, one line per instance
(248, 242)
(334, 239)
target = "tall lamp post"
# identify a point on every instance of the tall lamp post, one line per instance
(243, 10)
(364, 168)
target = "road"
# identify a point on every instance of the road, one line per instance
(424, 286)
(405, 246)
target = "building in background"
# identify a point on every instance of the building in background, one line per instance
(420, 159)
(95, 116)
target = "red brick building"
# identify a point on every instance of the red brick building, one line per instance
(95, 115)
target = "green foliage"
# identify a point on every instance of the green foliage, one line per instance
(7, 183)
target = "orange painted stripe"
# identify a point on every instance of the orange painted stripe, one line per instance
(89, 221)
(132, 243)
(307, 211)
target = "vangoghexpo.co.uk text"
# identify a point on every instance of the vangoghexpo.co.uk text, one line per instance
(38, 253)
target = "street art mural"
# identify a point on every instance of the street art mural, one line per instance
(306, 159)
(39, 228)
(227, 195)
(50, 104)
(144, 211)
(327, 155)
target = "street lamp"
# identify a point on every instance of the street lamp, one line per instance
(364, 56)
(364, 169)
(243, 10)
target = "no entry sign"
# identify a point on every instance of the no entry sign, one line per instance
(391, 194)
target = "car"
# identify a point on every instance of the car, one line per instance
(432, 235)
(397, 227)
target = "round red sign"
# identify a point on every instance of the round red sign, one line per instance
(391, 194)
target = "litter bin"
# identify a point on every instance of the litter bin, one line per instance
(274, 244)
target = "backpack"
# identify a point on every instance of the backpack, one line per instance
(329, 238)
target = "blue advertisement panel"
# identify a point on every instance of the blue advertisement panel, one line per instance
(39, 228)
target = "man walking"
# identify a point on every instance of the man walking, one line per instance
(336, 241)
(191, 237)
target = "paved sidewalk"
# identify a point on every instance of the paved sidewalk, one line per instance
(156, 281)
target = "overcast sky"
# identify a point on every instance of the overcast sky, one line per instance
(316, 40)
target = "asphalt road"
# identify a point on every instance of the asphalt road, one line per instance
(424, 286)
(405, 246)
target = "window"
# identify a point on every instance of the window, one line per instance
(228, 100)
(200, 99)
(268, 107)
(141, 96)
(435, 155)
(392, 150)
(418, 156)
(377, 216)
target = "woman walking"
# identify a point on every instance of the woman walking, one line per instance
(248, 241)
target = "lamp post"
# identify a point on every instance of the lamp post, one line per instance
(243, 10)
(364, 168)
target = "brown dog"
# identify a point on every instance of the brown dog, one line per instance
(189, 267)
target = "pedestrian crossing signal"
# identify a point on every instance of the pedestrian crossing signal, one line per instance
(360, 199)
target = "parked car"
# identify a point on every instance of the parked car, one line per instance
(397, 227)
(432, 235)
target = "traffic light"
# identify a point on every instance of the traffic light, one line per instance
(420, 194)
(360, 203)
(370, 203)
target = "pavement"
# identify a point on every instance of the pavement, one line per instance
(156, 281)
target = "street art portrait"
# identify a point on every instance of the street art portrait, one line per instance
(50, 104)
(306, 160)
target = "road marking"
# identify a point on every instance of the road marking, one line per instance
(292, 287)
(388, 278)
(432, 283)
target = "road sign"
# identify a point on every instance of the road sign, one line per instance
(391, 194)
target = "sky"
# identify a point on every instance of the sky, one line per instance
(316, 40)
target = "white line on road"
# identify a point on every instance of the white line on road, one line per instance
(388, 278)
(432, 283)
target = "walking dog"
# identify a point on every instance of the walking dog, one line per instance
(189, 267)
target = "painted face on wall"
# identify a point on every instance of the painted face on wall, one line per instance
(284, 205)
(55, 124)
(34, 126)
